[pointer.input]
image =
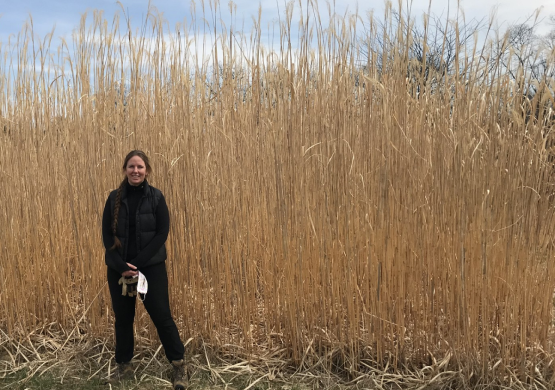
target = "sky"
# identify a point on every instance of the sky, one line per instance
(65, 15)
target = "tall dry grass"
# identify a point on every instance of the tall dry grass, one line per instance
(321, 208)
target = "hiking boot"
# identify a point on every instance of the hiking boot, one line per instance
(123, 371)
(179, 375)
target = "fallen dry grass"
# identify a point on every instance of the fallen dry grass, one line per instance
(326, 216)
(41, 360)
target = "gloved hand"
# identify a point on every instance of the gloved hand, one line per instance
(128, 286)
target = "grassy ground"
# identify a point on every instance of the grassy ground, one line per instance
(56, 360)
(145, 381)
(51, 360)
(84, 364)
(87, 372)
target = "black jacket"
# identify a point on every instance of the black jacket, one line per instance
(151, 224)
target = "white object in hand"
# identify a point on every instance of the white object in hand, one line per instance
(142, 286)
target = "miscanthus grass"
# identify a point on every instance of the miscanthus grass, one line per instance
(348, 213)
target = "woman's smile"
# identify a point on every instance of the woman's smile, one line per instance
(135, 171)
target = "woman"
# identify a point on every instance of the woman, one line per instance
(135, 226)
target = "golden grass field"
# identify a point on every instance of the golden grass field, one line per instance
(327, 212)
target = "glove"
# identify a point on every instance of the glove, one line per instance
(128, 286)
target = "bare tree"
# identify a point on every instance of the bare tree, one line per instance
(525, 55)
(430, 47)
(527, 58)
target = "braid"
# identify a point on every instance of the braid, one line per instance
(117, 243)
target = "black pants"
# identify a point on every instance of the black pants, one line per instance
(157, 305)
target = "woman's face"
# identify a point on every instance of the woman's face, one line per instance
(135, 170)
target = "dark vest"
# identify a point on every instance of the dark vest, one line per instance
(145, 222)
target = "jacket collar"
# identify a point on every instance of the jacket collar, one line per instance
(144, 186)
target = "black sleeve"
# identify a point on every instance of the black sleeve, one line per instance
(112, 257)
(162, 231)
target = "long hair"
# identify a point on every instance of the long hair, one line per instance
(130, 155)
